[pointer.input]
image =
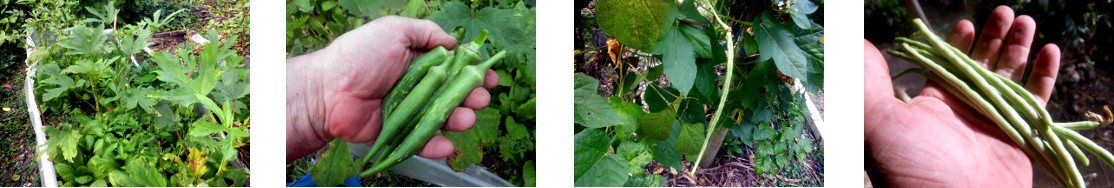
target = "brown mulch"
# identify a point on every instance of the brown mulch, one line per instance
(167, 42)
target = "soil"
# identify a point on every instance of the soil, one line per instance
(167, 42)
(17, 139)
(737, 171)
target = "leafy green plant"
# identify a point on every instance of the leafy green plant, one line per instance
(702, 100)
(125, 124)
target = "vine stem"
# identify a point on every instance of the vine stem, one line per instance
(724, 91)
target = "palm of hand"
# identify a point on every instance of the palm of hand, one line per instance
(936, 139)
(358, 85)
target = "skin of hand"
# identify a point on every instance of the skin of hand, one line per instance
(936, 140)
(338, 91)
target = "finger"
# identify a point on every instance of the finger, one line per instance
(990, 41)
(423, 34)
(877, 76)
(437, 147)
(460, 120)
(477, 99)
(491, 79)
(962, 35)
(1043, 77)
(1015, 53)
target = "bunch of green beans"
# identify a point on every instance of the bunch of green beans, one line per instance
(417, 106)
(1016, 111)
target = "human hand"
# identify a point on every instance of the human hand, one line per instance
(341, 95)
(936, 139)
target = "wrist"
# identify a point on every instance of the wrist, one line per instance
(305, 113)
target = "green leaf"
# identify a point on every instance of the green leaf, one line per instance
(609, 171)
(469, 144)
(776, 43)
(506, 27)
(66, 141)
(664, 152)
(527, 110)
(589, 146)
(63, 82)
(145, 175)
(204, 128)
(591, 109)
(335, 166)
(659, 99)
(636, 154)
(102, 166)
(679, 48)
(745, 132)
(690, 140)
(636, 24)
(528, 174)
(652, 180)
(99, 183)
(764, 132)
(656, 126)
(629, 113)
(121, 179)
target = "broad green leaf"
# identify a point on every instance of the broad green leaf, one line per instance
(529, 174)
(204, 128)
(100, 166)
(692, 110)
(506, 27)
(121, 179)
(656, 126)
(774, 42)
(469, 144)
(805, 144)
(589, 147)
(629, 113)
(66, 141)
(751, 90)
(591, 109)
(83, 179)
(145, 175)
(764, 132)
(664, 152)
(706, 87)
(99, 183)
(527, 110)
(636, 23)
(636, 154)
(745, 132)
(515, 130)
(65, 171)
(63, 82)
(652, 180)
(690, 140)
(658, 98)
(679, 48)
(334, 166)
(609, 171)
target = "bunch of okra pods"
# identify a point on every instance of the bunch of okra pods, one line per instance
(434, 84)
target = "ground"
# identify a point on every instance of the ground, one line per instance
(17, 139)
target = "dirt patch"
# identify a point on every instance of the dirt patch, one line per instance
(167, 42)
(17, 139)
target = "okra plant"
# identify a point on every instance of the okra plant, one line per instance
(721, 75)
(115, 116)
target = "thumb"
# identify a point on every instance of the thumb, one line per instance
(878, 87)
